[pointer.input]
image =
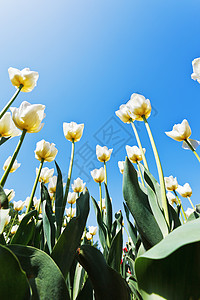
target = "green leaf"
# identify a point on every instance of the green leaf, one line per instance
(26, 230)
(48, 219)
(14, 284)
(87, 291)
(65, 249)
(3, 199)
(171, 268)
(78, 280)
(3, 140)
(131, 229)
(137, 202)
(59, 201)
(115, 252)
(108, 209)
(107, 283)
(44, 276)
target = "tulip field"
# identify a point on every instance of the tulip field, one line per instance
(149, 249)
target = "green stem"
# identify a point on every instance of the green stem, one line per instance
(179, 201)
(139, 170)
(13, 220)
(140, 145)
(193, 150)
(105, 170)
(7, 171)
(160, 171)
(4, 110)
(191, 203)
(70, 212)
(68, 178)
(100, 196)
(34, 188)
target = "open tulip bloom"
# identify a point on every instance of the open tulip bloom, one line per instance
(196, 69)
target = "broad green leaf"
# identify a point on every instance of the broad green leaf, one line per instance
(108, 209)
(107, 283)
(65, 249)
(3, 140)
(26, 230)
(115, 251)
(59, 201)
(131, 229)
(170, 270)
(48, 219)
(44, 276)
(14, 283)
(137, 202)
(3, 199)
(87, 291)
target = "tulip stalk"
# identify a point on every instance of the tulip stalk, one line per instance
(179, 201)
(105, 170)
(11, 225)
(140, 145)
(191, 203)
(193, 150)
(4, 110)
(100, 196)
(160, 171)
(34, 187)
(69, 177)
(5, 175)
(139, 170)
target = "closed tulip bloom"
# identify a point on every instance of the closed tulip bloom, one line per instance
(180, 132)
(185, 190)
(98, 175)
(78, 185)
(36, 203)
(139, 106)
(26, 77)
(45, 174)
(92, 230)
(134, 153)
(14, 229)
(103, 203)
(20, 217)
(188, 212)
(124, 113)
(7, 126)
(28, 116)
(171, 198)
(26, 202)
(71, 198)
(171, 183)
(52, 184)
(15, 166)
(88, 236)
(70, 212)
(10, 194)
(18, 205)
(103, 153)
(46, 151)
(121, 166)
(4, 218)
(73, 131)
(196, 69)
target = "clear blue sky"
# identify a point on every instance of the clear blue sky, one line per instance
(91, 56)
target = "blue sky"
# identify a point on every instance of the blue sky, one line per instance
(91, 56)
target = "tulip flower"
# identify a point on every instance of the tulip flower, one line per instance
(103, 203)
(15, 165)
(10, 194)
(36, 203)
(92, 230)
(14, 229)
(52, 185)
(171, 198)
(71, 199)
(180, 132)
(196, 69)
(20, 217)
(171, 183)
(78, 185)
(18, 205)
(7, 126)
(89, 236)
(134, 153)
(45, 151)
(189, 211)
(139, 107)
(70, 212)
(25, 77)
(185, 190)
(73, 131)
(4, 218)
(121, 166)
(103, 153)
(98, 175)
(124, 113)
(45, 174)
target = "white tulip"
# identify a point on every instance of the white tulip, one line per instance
(134, 153)
(139, 106)
(185, 190)
(26, 202)
(70, 212)
(20, 217)
(103, 203)
(98, 175)
(46, 151)
(36, 203)
(92, 230)
(14, 229)
(28, 116)
(4, 218)
(10, 194)
(7, 126)
(180, 132)
(196, 69)
(15, 166)
(71, 198)
(52, 185)
(189, 211)
(171, 183)
(88, 236)
(124, 113)
(26, 77)
(45, 174)
(171, 198)
(121, 166)
(73, 131)
(18, 205)
(78, 185)
(103, 153)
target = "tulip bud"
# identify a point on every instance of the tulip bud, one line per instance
(188, 212)
(124, 113)
(52, 184)
(45, 174)
(185, 190)
(10, 194)
(4, 218)
(103, 153)
(25, 77)
(171, 183)
(18, 205)
(121, 166)
(171, 198)
(73, 131)
(98, 175)
(134, 153)
(103, 203)
(15, 166)
(14, 229)
(70, 212)
(92, 230)
(71, 198)
(88, 236)
(46, 151)
(139, 106)
(28, 116)
(20, 217)
(196, 69)
(78, 185)
(7, 126)
(180, 132)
